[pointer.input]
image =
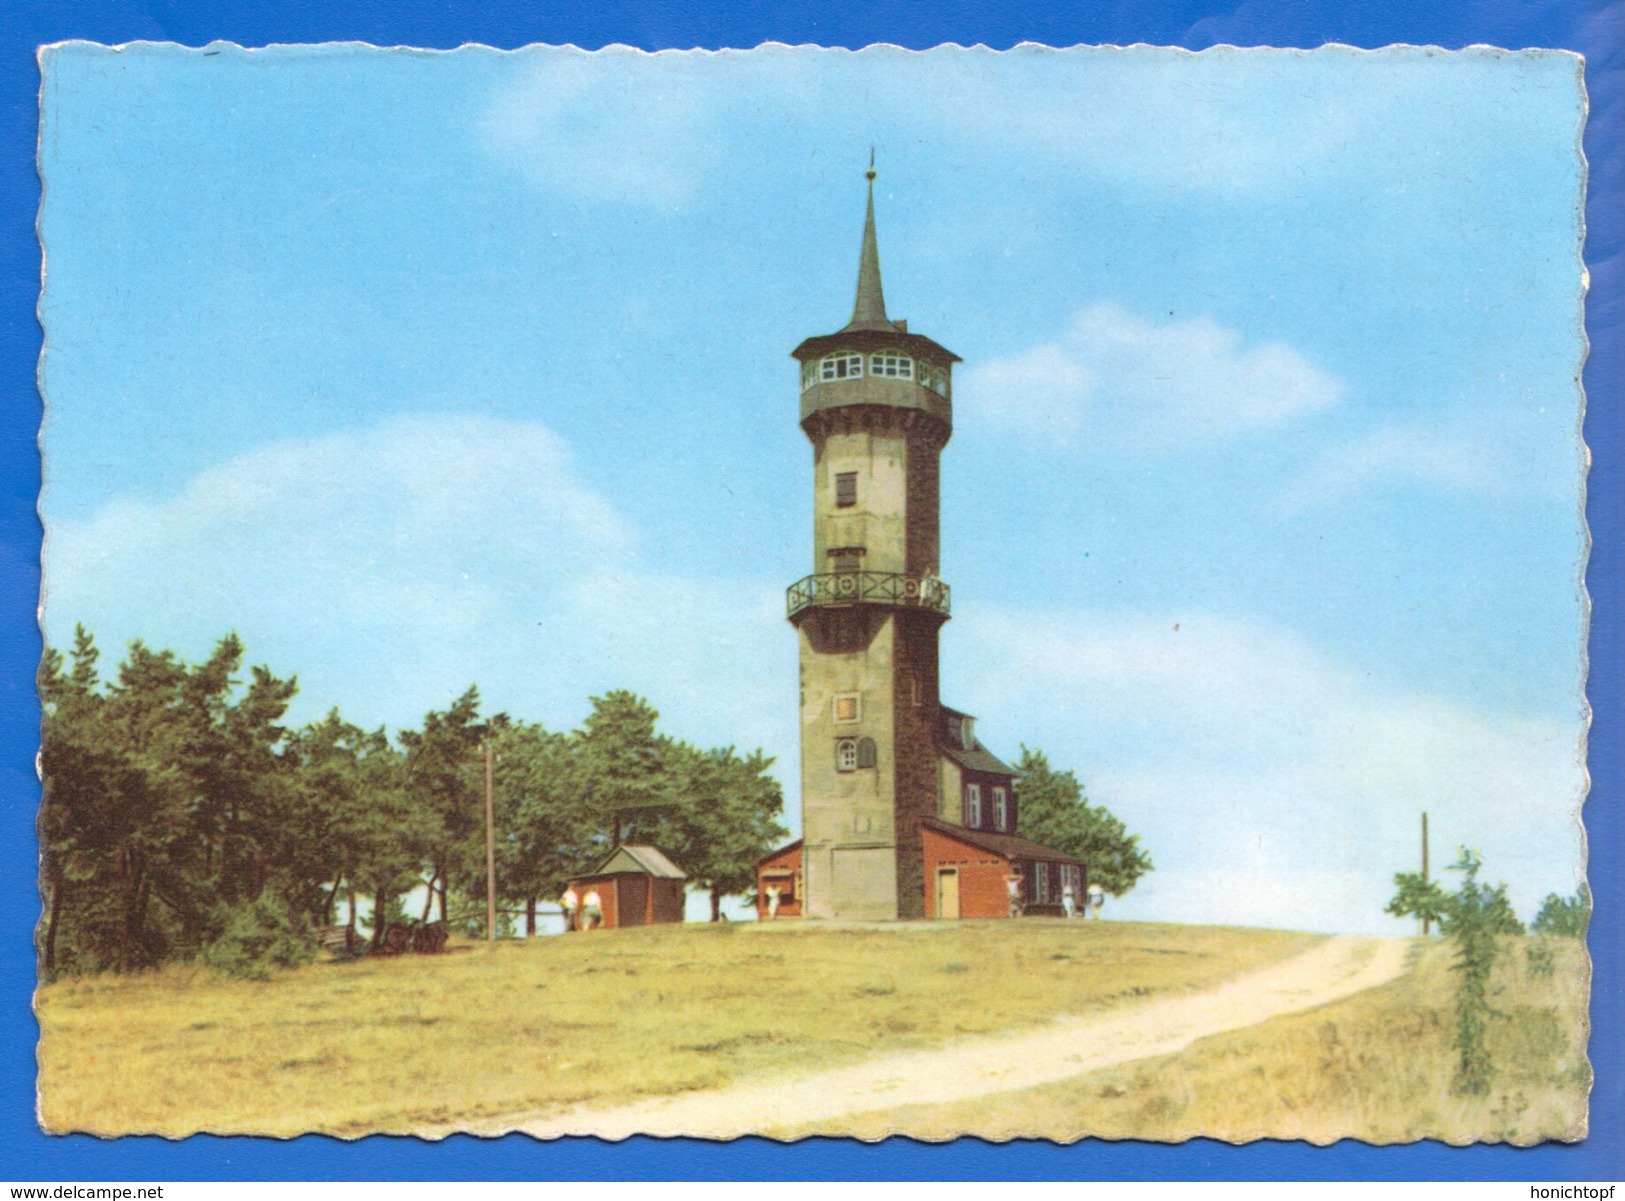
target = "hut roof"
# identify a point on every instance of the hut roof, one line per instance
(640, 861)
(1007, 846)
(789, 846)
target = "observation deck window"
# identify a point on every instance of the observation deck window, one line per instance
(841, 366)
(891, 366)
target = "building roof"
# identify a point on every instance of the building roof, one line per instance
(789, 846)
(981, 759)
(870, 328)
(640, 861)
(869, 309)
(1007, 846)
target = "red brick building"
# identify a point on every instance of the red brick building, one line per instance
(780, 870)
(636, 886)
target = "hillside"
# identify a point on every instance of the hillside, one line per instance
(1377, 1066)
(538, 1026)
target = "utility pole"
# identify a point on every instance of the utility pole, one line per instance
(491, 858)
(1424, 865)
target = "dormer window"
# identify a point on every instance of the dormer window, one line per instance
(841, 366)
(891, 366)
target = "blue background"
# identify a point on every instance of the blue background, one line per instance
(26, 1155)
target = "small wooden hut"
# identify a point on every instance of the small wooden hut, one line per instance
(636, 886)
(780, 870)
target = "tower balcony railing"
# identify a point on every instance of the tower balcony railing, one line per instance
(837, 588)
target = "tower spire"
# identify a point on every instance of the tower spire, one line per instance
(869, 311)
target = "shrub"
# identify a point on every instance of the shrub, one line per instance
(260, 937)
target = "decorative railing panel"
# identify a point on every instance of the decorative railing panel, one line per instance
(867, 588)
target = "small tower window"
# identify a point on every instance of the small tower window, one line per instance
(841, 366)
(973, 806)
(867, 755)
(846, 489)
(891, 366)
(844, 559)
(809, 375)
(846, 755)
(846, 706)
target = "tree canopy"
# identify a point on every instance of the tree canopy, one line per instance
(1052, 809)
(181, 818)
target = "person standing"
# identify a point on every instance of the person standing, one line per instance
(569, 903)
(1069, 900)
(1097, 899)
(773, 893)
(592, 910)
(1012, 886)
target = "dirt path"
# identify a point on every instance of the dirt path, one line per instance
(1330, 971)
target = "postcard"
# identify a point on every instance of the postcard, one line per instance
(1027, 594)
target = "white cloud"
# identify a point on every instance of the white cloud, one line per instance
(611, 125)
(1272, 784)
(391, 567)
(1138, 383)
(1451, 460)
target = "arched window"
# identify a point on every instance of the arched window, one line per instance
(867, 756)
(846, 754)
(841, 365)
(891, 365)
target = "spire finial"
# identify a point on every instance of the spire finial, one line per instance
(869, 312)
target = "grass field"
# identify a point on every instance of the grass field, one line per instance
(1377, 1067)
(399, 1044)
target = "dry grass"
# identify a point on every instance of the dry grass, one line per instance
(399, 1044)
(1377, 1066)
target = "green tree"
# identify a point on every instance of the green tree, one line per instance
(547, 831)
(359, 829)
(727, 820)
(1473, 917)
(1052, 809)
(622, 768)
(445, 784)
(1565, 917)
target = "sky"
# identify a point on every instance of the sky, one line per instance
(1262, 511)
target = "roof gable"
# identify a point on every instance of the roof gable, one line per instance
(640, 861)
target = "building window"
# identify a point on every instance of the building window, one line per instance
(846, 706)
(846, 489)
(1001, 809)
(846, 755)
(846, 558)
(841, 366)
(934, 378)
(868, 756)
(809, 375)
(973, 806)
(1040, 883)
(891, 366)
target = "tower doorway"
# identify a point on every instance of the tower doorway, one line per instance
(948, 893)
